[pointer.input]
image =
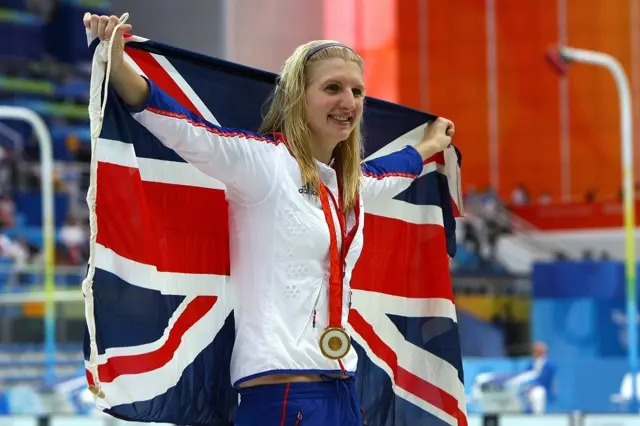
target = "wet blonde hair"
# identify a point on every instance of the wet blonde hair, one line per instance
(287, 114)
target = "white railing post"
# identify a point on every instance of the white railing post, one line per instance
(46, 189)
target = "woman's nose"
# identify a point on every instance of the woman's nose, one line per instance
(348, 101)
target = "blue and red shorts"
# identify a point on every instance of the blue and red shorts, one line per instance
(330, 402)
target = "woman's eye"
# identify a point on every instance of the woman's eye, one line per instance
(357, 93)
(333, 88)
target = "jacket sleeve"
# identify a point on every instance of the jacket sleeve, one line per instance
(243, 161)
(389, 175)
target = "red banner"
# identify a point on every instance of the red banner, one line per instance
(573, 216)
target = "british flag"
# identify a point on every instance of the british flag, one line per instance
(160, 325)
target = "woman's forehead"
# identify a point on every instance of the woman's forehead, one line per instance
(336, 69)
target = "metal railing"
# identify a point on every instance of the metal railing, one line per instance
(529, 236)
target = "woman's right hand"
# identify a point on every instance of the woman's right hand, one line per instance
(102, 27)
(130, 86)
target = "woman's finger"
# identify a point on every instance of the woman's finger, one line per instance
(102, 24)
(95, 19)
(111, 24)
(86, 20)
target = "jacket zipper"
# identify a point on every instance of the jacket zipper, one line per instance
(312, 316)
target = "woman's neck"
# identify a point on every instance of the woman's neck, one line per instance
(323, 152)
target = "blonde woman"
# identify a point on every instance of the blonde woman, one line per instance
(296, 191)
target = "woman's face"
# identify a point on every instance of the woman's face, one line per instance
(334, 96)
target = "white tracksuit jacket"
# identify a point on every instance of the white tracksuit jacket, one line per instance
(279, 239)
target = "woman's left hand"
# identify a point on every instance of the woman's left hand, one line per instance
(437, 137)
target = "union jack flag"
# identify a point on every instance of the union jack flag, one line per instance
(160, 324)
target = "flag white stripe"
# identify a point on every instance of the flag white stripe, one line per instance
(401, 392)
(169, 283)
(147, 347)
(128, 389)
(129, 60)
(170, 172)
(136, 38)
(423, 364)
(430, 167)
(412, 137)
(406, 212)
(186, 89)
(408, 307)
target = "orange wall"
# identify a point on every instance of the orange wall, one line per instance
(457, 75)
(454, 82)
(455, 67)
(605, 26)
(528, 108)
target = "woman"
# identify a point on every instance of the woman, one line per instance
(296, 192)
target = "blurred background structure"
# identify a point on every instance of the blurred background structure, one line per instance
(540, 250)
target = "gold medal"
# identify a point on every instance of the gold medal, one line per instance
(335, 343)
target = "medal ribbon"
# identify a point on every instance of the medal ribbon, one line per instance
(338, 258)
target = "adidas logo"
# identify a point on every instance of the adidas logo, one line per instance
(305, 189)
